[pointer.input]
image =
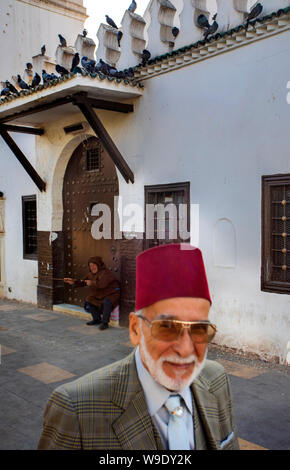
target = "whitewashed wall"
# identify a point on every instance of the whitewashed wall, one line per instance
(19, 274)
(222, 124)
(26, 25)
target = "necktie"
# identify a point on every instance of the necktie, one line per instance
(177, 430)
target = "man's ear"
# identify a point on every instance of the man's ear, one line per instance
(134, 328)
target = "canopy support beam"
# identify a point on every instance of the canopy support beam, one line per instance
(87, 110)
(23, 160)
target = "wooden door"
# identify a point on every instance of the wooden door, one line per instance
(90, 179)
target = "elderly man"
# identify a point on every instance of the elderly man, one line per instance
(166, 394)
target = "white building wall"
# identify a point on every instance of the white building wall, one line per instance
(19, 274)
(221, 124)
(25, 25)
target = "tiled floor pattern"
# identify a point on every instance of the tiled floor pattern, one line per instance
(4, 350)
(85, 330)
(48, 373)
(40, 317)
(245, 445)
(241, 370)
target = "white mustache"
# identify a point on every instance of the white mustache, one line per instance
(179, 360)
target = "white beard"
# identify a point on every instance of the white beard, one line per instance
(156, 370)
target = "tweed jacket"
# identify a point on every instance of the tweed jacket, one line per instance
(106, 409)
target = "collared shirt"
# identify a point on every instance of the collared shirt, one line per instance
(156, 396)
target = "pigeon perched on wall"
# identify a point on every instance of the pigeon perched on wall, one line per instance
(145, 56)
(111, 22)
(43, 50)
(254, 13)
(133, 6)
(175, 31)
(102, 67)
(62, 41)
(61, 70)
(119, 37)
(85, 33)
(212, 28)
(36, 80)
(75, 61)
(10, 87)
(29, 66)
(46, 77)
(5, 91)
(23, 85)
(129, 72)
(202, 21)
(88, 65)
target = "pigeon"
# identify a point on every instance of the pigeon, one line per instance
(36, 80)
(45, 76)
(256, 11)
(111, 22)
(43, 50)
(29, 66)
(5, 91)
(85, 33)
(129, 72)
(119, 37)
(23, 85)
(145, 56)
(88, 65)
(202, 21)
(62, 41)
(175, 32)
(213, 27)
(61, 70)
(102, 67)
(133, 6)
(75, 61)
(11, 87)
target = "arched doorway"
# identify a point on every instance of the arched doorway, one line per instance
(90, 179)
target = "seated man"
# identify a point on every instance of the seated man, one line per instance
(164, 395)
(104, 292)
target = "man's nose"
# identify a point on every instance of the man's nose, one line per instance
(184, 346)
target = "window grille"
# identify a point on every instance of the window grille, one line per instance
(29, 215)
(93, 159)
(276, 233)
(174, 194)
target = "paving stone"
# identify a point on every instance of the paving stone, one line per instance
(46, 373)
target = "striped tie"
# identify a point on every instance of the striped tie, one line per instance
(177, 431)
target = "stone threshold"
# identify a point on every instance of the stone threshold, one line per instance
(77, 311)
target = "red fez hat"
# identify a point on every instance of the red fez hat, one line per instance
(167, 271)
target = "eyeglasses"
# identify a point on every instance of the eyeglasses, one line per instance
(170, 330)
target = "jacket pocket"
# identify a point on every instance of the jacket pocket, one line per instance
(227, 443)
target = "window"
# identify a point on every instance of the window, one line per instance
(275, 275)
(29, 227)
(93, 159)
(172, 223)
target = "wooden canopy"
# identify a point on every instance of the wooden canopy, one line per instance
(87, 105)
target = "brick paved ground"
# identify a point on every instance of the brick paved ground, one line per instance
(41, 349)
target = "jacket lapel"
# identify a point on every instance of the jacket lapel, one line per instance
(206, 406)
(134, 427)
